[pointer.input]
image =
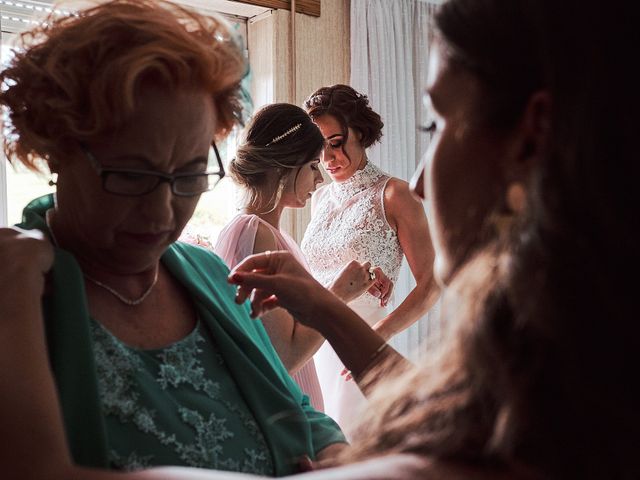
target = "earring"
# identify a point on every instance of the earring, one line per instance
(53, 181)
(516, 197)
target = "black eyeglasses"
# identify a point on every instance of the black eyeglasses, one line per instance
(131, 182)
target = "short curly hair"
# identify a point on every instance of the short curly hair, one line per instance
(77, 77)
(350, 108)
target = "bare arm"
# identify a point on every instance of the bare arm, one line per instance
(406, 214)
(276, 280)
(29, 411)
(294, 342)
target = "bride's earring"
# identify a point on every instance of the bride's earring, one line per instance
(53, 180)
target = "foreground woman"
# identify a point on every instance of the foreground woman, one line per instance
(152, 361)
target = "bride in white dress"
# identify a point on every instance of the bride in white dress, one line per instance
(363, 215)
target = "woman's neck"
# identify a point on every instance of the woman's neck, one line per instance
(271, 216)
(101, 271)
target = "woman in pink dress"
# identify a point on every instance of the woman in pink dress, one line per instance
(277, 164)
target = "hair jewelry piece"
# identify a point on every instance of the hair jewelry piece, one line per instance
(295, 128)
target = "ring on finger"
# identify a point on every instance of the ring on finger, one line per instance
(372, 273)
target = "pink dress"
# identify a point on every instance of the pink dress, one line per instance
(235, 243)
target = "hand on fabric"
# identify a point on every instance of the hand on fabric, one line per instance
(352, 281)
(346, 373)
(276, 279)
(26, 256)
(355, 278)
(382, 287)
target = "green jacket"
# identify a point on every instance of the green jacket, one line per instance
(291, 426)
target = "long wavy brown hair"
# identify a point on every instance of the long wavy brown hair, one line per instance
(539, 373)
(76, 77)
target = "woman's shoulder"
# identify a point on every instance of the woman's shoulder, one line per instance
(189, 251)
(241, 229)
(387, 467)
(404, 466)
(265, 238)
(394, 186)
(241, 220)
(398, 197)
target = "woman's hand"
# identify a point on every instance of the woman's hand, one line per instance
(382, 287)
(355, 278)
(26, 256)
(276, 279)
(352, 281)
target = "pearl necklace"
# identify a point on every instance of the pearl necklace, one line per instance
(132, 302)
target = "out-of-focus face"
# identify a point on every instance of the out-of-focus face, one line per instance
(341, 157)
(459, 175)
(168, 132)
(301, 183)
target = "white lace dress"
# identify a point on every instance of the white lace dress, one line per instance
(349, 223)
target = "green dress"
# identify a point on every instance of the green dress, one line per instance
(256, 383)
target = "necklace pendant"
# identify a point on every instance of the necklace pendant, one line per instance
(132, 302)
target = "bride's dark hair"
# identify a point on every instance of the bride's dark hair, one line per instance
(540, 370)
(351, 109)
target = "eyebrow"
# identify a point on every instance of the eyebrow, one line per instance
(335, 135)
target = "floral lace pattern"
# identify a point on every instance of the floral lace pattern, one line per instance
(349, 223)
(208, 424)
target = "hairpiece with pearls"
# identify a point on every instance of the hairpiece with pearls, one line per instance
(295, 128)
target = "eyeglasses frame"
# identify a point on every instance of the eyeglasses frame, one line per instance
(163, 177)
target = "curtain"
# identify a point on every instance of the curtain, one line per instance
(389, 62)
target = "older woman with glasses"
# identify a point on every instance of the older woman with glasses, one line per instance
(142, 348)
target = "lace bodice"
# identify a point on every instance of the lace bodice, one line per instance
(175, 406)
(349, 223)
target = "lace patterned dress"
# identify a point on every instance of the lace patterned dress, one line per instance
(349, 223)
(177, 405)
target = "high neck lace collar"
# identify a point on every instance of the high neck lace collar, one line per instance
(359, 181)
